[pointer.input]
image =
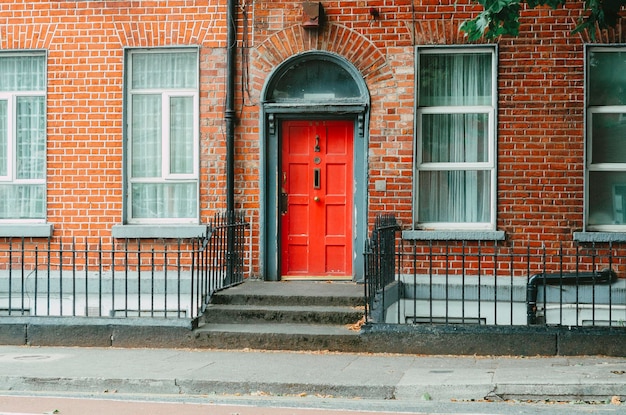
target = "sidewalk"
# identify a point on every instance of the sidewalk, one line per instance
(345, 375)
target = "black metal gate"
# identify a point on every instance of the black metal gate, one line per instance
(380, 262)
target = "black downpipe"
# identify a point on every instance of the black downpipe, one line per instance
(229, 117)
(229, 113)
(606, 276)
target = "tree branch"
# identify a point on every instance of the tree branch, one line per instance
(501, 17)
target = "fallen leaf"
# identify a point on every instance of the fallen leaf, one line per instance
(357, 326)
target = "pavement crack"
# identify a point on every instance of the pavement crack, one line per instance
(204, 366)
(176, 384)
(492, 395)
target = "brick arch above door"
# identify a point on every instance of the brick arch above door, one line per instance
(358, 49)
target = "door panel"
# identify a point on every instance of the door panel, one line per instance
(316, 182)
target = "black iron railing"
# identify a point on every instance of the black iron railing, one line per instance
(471, 282)
(380, 263)
(224, 255)
(103, 277)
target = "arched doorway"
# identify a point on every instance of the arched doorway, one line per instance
(314, 123)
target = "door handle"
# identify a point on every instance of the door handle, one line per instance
(284, 203)
(316, 199)
(284, 197)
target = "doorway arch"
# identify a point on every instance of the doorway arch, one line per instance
(314, 86)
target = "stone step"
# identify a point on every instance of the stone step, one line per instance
(279, 336)
(284, 316)
(235, 313)
(248, 299)
(292, 294)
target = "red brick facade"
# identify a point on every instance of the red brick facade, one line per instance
(540, 114)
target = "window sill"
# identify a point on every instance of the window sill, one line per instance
(158, 231)
(591, 237)
(468, 235)
(26, 230)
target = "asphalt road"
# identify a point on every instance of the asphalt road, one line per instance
(14, 405)
(238, 405)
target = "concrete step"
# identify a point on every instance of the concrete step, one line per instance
(235, 313)
(284, 316)
(247, 299)
(292, 294)
(279, 336)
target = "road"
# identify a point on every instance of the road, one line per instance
(21, 405)
(247, 405)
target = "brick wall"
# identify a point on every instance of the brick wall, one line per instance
(85, 42)
(540, 106)
(540, 117)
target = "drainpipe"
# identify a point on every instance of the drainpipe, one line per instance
(606, 276)
(229, 113)
(229, 118)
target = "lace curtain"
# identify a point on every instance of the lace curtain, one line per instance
(163, 181)
(23, 139)
(455, 97)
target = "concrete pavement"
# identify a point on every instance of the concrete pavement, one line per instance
(339, 375)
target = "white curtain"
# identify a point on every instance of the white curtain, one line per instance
(147, 136)
(181, 135)
(22, 73)
(23, 195)
(22, 201)
(4, 139)
(164, 70)
(450, 134)
(157, 194)
(30, 138)
(164, 200)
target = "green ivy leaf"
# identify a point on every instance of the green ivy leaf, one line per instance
(501, 17)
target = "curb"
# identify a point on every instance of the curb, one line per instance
(192, 387)
(453, 392)
(458, 340)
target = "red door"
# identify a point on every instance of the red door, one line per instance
(316, 199)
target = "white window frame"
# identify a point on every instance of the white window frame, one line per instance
(488, 166)
(11, 175)
(11, 103)
(166, 175)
